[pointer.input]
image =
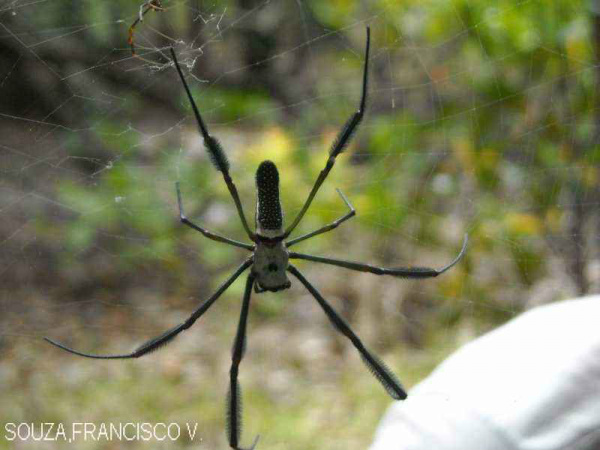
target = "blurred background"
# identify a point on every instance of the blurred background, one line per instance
(484, 117)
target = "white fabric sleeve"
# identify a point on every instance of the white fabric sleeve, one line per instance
(531, 384)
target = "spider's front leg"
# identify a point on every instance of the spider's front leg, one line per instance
(215, 151)
(341, 142)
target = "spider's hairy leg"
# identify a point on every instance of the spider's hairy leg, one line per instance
(215, 151)
(204, 231)
(375, 365)
(400, 272)
(162, 340)
(340, 143)
(234, 397)
(351, 213)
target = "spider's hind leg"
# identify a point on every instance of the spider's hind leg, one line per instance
(234, 397)
(374, 364)
(168, 336)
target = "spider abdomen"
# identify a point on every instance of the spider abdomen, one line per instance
(269, 216)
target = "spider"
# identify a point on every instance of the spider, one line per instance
(269, 263)
(148, 5)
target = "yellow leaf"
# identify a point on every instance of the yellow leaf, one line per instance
(524, 224)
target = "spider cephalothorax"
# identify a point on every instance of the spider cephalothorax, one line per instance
(269, 262)
(270, 267)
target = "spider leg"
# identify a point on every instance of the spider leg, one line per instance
(234, 397)
(215, 151)
(204, 231)
(375, 365)
(162, 340)
(340, 143)
(401, 272)
(329, 227)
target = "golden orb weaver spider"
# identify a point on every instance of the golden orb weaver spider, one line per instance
(269, 262)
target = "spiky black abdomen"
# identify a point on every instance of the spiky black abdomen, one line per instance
(268, 211)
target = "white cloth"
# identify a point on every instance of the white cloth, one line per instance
(531, 384)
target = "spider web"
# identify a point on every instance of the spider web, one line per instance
(482, 119)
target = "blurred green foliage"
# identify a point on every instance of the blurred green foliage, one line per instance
(483, 118)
